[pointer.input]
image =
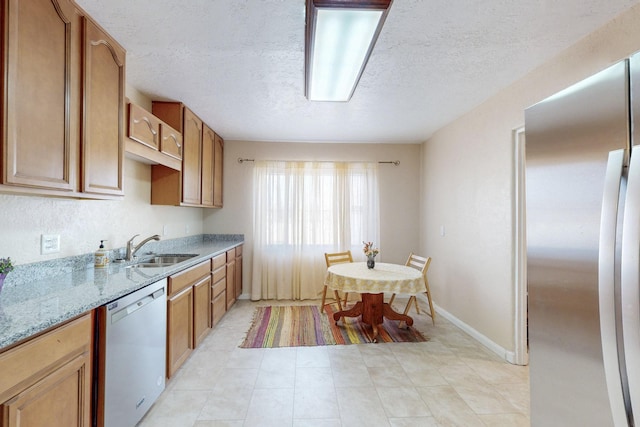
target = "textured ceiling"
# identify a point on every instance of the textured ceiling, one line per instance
(240, 63)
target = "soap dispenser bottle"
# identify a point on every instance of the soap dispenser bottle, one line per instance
(101, 257)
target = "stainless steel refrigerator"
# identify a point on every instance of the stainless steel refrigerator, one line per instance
(583, 232)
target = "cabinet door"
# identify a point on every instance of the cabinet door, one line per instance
(144, 127)
(231, 281)
(61, 399)
(46, 381)
(219, 307)
(201, 309)
(217, 171)
(103, 112)
(238, 278)
(208, 143)
(179, 329)
(170, 141)
(42, 93)
(191, 155)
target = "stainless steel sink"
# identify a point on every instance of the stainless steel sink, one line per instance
(148, 265)
(169, 258)
(163, 260)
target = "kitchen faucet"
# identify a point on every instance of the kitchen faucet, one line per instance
(131, 250)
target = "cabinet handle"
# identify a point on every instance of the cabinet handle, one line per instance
(172, 136)
(150, 125)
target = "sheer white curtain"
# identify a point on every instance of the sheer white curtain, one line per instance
(301, 211)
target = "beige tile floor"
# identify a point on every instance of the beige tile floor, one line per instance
(451, 380)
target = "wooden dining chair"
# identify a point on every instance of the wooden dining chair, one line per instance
(422, 264)
(331, 259)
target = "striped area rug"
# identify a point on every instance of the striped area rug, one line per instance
(305, 325)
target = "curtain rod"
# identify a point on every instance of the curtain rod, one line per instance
(391, 162)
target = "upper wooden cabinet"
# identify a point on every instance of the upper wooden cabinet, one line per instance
(201, 173)
(41, 104)
(170, 141)
(63, 102)
(218, 150)
(208, 144)
(191, 158)
(150, 140)
(144, 127)
(103, 109)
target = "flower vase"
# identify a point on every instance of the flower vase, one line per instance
(371, 261)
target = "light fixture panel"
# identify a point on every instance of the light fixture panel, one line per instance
(340, 38)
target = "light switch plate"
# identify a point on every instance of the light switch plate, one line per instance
(49, 244)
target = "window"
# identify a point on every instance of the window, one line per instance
(303, 209)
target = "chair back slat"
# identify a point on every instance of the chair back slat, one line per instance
(418, 262)
(337, 258)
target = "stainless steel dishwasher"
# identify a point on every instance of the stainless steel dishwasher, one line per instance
(132, 355)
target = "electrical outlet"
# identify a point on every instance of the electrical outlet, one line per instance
(165, 230)
(49, 244)
(186, 229)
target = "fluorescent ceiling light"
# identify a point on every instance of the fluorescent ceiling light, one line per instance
(340, 37)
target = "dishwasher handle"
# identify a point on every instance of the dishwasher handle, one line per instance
(136, 305)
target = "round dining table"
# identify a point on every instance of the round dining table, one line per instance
(371, 284)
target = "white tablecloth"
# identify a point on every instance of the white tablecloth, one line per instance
(391, 278)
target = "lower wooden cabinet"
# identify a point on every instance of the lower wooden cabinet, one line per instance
(231, 277)
(188, 313)
(218, 307)
(52, 401)
(238, 278)
(179, 329)
(201, 309)
(46, 382)
(218, 288)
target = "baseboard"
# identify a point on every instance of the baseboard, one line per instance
(509, 356)
(244, 296)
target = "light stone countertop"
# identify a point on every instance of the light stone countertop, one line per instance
(28, 307)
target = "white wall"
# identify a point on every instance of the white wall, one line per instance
(399, 190)
(467, 180)
(81, 224)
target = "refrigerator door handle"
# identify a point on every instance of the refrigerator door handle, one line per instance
(606, 285)
(630, 283)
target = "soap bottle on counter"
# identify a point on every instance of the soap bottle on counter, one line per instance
(101, 257)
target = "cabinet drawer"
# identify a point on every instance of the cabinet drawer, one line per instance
(35, 356)
(144, 127)
(238, 251)
(188, 277)
(218, 261)
(218, 287)
(220, 273)
(231, 254)
(219, 307)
